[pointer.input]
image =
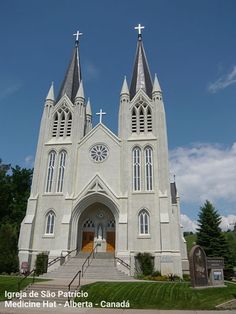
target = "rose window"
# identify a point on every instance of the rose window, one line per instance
(99, 153)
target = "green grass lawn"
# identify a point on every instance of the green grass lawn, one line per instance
(152, 295)
(10, 283)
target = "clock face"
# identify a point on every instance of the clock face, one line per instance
(99, 152)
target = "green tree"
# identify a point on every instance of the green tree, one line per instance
(14, 191)
(8, 248)
(211, 237)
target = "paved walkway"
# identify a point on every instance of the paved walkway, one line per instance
(62, 310)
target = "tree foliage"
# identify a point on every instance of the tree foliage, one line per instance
(15, 185)
(211, 237)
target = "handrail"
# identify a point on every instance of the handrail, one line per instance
(87, 259)
(78, 273)
(22, 279)
(81, 272)
(122, 262)
(56, 259)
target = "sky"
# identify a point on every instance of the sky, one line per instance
(190, 44)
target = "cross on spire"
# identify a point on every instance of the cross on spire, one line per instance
(77, 34)
(100, 114)
(139, 28)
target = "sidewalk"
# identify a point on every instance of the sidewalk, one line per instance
(62, 310)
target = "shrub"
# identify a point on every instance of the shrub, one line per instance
(156, 273)
(146, 263)
(41, 263)
(186, 277)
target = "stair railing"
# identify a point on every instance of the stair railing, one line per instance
(89, 259)
(81, 272)
(117, 259)
(22, 279)
(60, 258)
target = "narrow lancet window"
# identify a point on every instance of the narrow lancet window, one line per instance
(149, 120)
(55, 125)
(148, 168)
(134, 120)
(50, 173)
(141, 121)
(144, 222)
(136, 169)
(61, 173)
(50, 223)
(69, 124)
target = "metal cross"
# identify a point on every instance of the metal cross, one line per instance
(100, 114)
(77, 34)
(139, 28)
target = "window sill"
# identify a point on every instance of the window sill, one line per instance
(143, 192)
(144, 236)
(51, 236)
(53, 194)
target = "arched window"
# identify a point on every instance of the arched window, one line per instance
(144, 222)
(62, 122)
(55, 125)
(134, 120)
(50, 173)
(69, 124)
(61, 172)
(141, 120)
(149, 120)
(136, 169)
(50, 223)
(148, 168)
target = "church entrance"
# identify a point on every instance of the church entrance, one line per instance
(96, 227)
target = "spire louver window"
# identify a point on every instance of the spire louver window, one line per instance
(141, 118)
(62, 122)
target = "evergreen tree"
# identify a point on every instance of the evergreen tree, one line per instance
(211, 237)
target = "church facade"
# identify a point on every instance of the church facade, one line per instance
(92, 187)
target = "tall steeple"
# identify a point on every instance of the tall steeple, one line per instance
(72, 78)
(141, 78)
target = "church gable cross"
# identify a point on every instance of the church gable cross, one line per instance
(77, 34)
(139, 28)
(100, 114)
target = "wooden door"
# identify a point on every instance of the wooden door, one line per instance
(110, 241)
(88, 241)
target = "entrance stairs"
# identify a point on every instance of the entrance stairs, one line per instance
(101, 268)
(52, 292)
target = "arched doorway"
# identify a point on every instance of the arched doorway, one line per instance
(96, 225)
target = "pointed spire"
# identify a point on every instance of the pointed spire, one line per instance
(50, 95)
(125, 88)
(72, 78)
(80, 92)
(88, 108)
(156, 85)
(141, 78)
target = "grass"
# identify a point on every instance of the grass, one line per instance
(10, 283)
(152, 295)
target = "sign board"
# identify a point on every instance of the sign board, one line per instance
(198, 267)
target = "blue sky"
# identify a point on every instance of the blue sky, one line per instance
(189, 44)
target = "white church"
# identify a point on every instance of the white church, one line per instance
(92, 187)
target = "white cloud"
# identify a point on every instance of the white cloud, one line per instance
(205, 171)
(223, 82)
(8, 91)
(187, 223)
(29, 161)
(227, 222)
(91, 71)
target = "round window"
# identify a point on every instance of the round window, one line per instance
(99, 153)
